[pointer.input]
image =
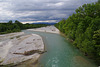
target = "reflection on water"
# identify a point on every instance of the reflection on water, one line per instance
(77, 60)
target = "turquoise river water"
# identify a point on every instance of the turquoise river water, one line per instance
(60, 53)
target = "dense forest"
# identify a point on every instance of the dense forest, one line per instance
(83, 28)
(17, 27)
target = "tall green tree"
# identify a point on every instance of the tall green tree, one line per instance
(80, 27)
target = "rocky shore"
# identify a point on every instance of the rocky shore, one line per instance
(49, 29)
(18, 47)
(23, 50)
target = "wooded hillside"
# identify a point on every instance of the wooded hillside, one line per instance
(83, 28)
(17, 27)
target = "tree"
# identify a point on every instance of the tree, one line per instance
(96, 39)
(16, 27)
(10, 22)
(98, 1)
(19, 24)
(80, 27)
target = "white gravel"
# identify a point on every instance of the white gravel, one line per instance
(20, 45)
(50, 29)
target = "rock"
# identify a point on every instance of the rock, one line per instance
(23, 48)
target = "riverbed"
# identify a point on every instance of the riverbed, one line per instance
(60, 53)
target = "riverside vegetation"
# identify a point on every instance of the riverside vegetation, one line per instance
(17, 27)
(83, 28)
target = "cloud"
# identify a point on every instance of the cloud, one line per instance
(49, 21)
(38, 10)
(55, 4)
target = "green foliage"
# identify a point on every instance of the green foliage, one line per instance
(83, 28)
(96, 39)
(16, 27)
(10, 22)
(8, 27)
(98, 1)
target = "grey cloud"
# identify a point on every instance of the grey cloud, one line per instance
(30, 10)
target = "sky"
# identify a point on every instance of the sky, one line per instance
(31, 11)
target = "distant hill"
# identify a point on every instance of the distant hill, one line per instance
(45, 23)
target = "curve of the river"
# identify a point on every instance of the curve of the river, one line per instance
(60, 53)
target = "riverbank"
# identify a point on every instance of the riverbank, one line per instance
(49, 29)
(16, 48)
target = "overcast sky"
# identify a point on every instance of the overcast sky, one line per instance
(38, 10)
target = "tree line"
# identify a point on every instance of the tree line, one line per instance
(17, 26)
(83, 27)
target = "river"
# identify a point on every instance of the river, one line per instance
(60, 53)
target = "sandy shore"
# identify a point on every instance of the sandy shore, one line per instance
(49, 29)
(20, 48)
